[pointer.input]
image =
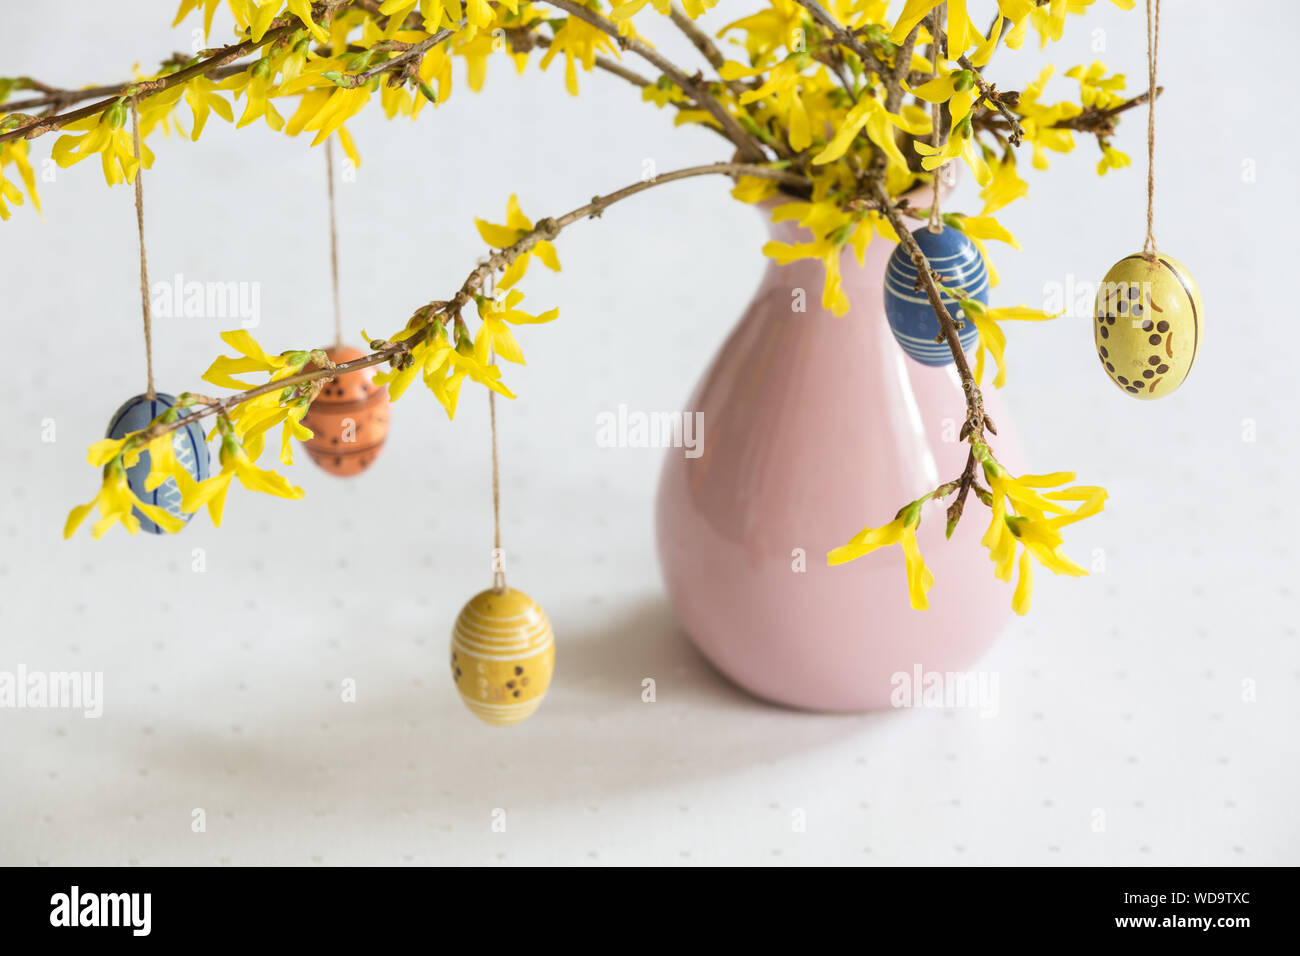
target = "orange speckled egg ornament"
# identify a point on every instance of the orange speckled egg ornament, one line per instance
(502, 656)
(349, 419)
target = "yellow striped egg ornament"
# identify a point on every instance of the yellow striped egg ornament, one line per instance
(502, 655)
(1148, 329)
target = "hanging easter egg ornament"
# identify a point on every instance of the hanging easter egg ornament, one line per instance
(959, 264)
(502, 646)
(189, 444)
(348, 419)
(1148, 327)
(502, 655)
(191, 453)
(1149, 314)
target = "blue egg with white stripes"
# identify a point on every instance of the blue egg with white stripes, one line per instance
(191, 452)
(960, 266)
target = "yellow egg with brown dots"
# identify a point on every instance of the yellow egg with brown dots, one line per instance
(502, 656)
(1148, 324)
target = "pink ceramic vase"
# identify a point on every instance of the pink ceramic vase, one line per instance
(814, 426)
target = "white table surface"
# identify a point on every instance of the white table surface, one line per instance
(1123, 697)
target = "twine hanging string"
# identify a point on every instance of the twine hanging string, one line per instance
(935, 118)
(144, 261)
(334, 243)
(498, 557)
(1153, 53)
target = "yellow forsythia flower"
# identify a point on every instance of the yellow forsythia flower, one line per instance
(102, 136)
(116, 503)
(17, 154)
(902, 531)
(832, 229)
(579, 41)
(204, 98)
(1004, 188)
(495, 314)
(693, 8)
(253, 358)
(1111, 158)
(960, 144)
(1024, 516)
(1095, 87)
(516, 226)
(992, 340)
(870, 115)
(783, 84)
(235, 463)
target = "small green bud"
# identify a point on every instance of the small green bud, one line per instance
(963, 80)
(912, 514)
(116, 114)
(358, 61)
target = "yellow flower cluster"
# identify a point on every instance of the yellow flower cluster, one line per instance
(115, 501)
(1024, 519)
(902, 531)
(305, 80)
(840, 106)
(808, 109)
(242, 434)
(1030, 521)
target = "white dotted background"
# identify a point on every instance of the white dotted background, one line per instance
(1159, 696)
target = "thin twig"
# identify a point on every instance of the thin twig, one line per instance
(748, 146)
(702, 42)
(963, 488)
(976, 420)
(989, 94)
(845, 38)
(1093, 120)
(524, 39)
(902, 63)
(415, 52)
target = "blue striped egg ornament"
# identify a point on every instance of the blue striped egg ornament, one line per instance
(191, 452)
(912, 320)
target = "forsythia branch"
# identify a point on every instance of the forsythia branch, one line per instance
(146, 88)
(439, 313)
(749, 148)
(976, 419)
(990, 95)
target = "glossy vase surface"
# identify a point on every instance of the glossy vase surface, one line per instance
(814, 426)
